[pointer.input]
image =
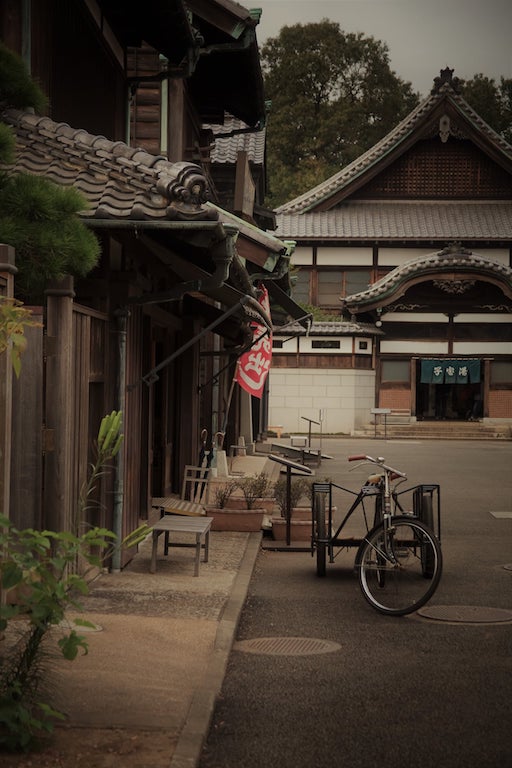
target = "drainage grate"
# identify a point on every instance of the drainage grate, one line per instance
(286, 646)
(466, 614)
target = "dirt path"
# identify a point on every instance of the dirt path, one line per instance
(98, 748)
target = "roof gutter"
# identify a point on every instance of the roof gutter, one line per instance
(223, 258)
(223, 253)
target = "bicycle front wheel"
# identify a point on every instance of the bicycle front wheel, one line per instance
(391, 566)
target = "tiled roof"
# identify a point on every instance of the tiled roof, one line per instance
(451, 259)
(387, 220)
(404, 129)
(118, 181)
(331, 328)
(225, 150)
(266, 239)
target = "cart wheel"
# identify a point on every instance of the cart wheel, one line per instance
(427, 555)
(377, 520)
(321, 546)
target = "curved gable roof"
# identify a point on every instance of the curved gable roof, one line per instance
(444, 99)
(451, 261)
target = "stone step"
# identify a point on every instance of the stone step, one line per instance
(439, 430)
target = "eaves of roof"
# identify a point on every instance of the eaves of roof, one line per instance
(228, 73)
(163, 24)
(400, 221)
(330, 328)
(451, 260)
(274, 270)
(391, 145)
(273, 244)
(226, 16)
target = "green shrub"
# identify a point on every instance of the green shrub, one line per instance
(298, 489)
(254, 487)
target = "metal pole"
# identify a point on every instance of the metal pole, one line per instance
(288, 504)
(117, 522)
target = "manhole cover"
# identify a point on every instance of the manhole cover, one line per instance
(467, 614)
(286, 646)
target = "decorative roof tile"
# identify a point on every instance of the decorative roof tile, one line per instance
(118, 181)
(389, 220)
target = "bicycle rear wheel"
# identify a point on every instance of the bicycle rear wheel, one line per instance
(390, 564)
(320, 530)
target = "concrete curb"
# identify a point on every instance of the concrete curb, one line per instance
(197, 722)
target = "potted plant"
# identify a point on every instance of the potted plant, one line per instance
(298, 489)
(254, 488)
(300, 516)
(235, 513)
(223, 493)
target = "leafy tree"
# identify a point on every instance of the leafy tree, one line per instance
(37, 217)
(333, 96)
(493, 102)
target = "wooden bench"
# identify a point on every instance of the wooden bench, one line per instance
(198, 526)
(171, 505)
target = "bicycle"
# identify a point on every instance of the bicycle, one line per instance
(398, 560)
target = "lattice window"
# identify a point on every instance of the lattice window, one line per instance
(453, 170)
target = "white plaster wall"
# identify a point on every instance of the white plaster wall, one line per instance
(345, 398)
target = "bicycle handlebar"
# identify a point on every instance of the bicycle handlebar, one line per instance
(394, 473)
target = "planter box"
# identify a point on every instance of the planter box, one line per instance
(300, 525)
(301, 513)
(304, 513)
(236, 519)
(300, 530)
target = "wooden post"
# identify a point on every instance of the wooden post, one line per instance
(7, 271)
(58, 504)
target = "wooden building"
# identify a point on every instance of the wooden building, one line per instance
(412, 245)
(156, 329)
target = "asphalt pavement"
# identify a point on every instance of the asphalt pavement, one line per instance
(318, 678)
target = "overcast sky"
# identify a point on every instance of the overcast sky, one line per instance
(423, 36)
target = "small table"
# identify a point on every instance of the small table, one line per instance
(381, 412)
(200, 526)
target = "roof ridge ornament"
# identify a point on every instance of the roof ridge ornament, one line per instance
(186, 188)
(446, 79)
(455, 248)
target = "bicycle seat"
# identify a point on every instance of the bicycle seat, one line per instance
(373, 484)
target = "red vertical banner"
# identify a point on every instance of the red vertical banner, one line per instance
(253, 366)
